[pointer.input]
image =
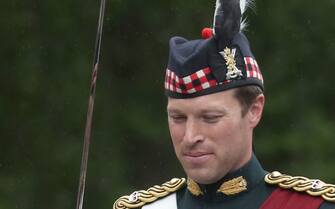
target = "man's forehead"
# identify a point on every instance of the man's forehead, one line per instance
(212, 102)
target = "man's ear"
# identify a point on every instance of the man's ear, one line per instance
(256, 110)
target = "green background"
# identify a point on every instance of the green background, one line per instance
(46, 60)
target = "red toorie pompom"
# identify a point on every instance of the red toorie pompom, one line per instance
(207, 33)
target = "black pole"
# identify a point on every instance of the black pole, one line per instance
(88, 128)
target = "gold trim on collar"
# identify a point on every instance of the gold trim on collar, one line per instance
(233, 186)
(193, 187)
(230, 187)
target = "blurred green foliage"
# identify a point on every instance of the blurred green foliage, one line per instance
(46, 59)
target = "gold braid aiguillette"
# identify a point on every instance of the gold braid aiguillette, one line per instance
(313, 187)
(139, 198)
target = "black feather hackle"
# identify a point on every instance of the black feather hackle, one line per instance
(227, 22)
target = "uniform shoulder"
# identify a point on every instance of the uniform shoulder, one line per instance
(139, 198)
(313, 187)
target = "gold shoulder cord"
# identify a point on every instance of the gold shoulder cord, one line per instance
(142, 197)
(313, 187)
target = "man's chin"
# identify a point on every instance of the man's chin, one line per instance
(202, 177)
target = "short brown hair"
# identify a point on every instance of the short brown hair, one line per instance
(246, 95)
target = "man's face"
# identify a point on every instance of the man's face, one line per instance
(209, 135)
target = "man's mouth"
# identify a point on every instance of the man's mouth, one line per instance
(195, 154)
(197, 157)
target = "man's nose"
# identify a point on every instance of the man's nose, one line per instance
(193, 132)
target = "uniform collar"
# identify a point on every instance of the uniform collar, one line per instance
(234, 183)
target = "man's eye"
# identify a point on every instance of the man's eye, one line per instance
(211, 118)
(178, 118)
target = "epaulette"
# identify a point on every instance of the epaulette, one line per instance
(139, 198)
(313, 187)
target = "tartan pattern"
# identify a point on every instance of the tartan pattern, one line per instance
(204, 78)
(200, 80)
(252, 68)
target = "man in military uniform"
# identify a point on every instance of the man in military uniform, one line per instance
(215, 100)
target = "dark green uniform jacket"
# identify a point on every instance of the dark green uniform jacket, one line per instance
(242, 189)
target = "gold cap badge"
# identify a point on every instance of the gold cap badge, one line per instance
(229, 56)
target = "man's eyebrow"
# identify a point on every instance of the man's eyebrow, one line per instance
(200, 111)
(173, 110)
(215, 110)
